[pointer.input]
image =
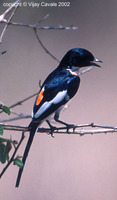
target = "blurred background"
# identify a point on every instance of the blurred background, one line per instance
(68, 166)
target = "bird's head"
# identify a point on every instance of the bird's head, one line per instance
(79, 57)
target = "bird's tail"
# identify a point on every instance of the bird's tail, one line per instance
(32, 128)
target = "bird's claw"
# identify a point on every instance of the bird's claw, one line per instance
(69, 126)
(52, 128)
(52, 131)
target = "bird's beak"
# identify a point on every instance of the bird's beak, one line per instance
(95, 64)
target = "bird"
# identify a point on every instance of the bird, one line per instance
(59, 87)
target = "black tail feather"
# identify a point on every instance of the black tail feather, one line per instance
(30, 140)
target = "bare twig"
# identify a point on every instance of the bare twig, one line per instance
(2, 52)
(42, 45)
(9, 22)
(20, 116)
(40, 42)
(14, 127)
(13, 156)
(62, 130)
(17, 114)
(3, 20)
(45, 17)
(60, 27)
(86, 70)
(14, 5)
(21, 101)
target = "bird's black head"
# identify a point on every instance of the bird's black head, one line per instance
(79, 57)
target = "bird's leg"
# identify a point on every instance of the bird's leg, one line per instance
(51, 127)
(68, 126)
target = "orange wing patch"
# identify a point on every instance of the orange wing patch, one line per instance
(40, 97)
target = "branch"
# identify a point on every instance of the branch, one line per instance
(42, 45)
(12, 157)
(60, 27)
(45, 17)
(86, 70)
(21, 101)
(40, 42)
(62, 130)
(33, 26)
(2, 52)
(13, 127)
(3, 20)
(14, 5)
(20, 116)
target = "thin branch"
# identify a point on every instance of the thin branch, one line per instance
(21, 101)
(2, 52)
(13, 156)
(60, 27)
(62, 130)
(14, 127)
(86, 70)
(21, 116)
(3, 20)
(14, 5)
(102, 126)
(40, 42)
(17, 114)
(42, 45)
(45, 17)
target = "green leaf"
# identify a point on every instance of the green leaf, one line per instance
(3, 156)
(1, 130)
(8, 146)
(6, 109)
(18, 162)
(3, 140)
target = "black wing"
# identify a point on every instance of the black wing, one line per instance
(57, 89)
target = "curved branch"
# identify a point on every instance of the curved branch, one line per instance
(42, 45)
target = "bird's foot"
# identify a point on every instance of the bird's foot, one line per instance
(52, 128)
(69, 126)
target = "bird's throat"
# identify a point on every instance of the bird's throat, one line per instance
(74, 71)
